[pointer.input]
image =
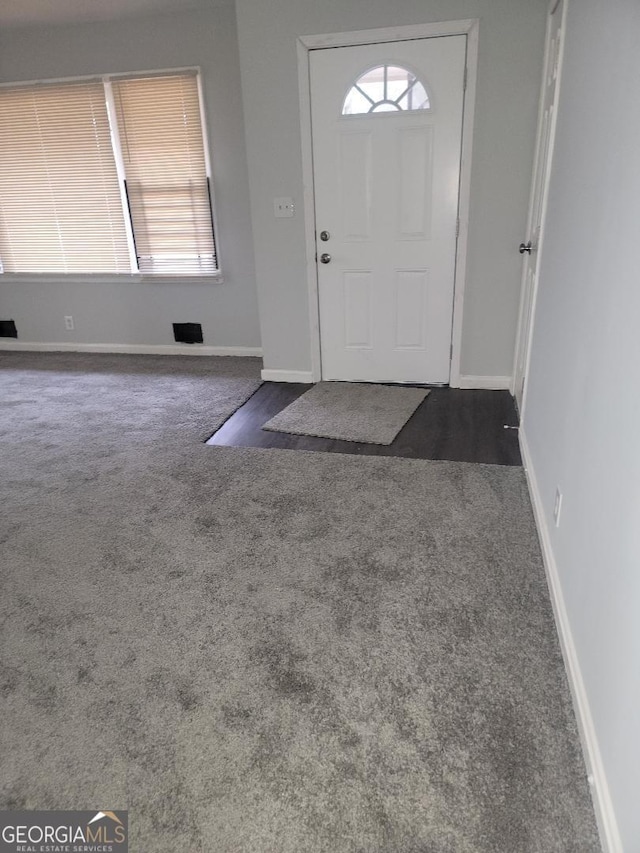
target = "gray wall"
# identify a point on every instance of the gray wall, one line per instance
(130, 312)
(582, 410)
(510, 63)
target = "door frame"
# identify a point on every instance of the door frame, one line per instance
(305, 44)
(524, 334)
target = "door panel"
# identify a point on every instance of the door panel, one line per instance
(410, 299)
(358, 333)
(386, 189)
(355, 169)
(415, 156)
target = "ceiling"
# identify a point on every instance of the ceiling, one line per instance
(18, 13)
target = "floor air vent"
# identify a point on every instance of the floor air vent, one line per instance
(8, 329)
(187, 333)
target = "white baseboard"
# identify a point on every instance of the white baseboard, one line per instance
(132, 349)
(287, 376)
(603, 806)
(492, 383)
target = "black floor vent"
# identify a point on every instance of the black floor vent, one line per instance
(187, 333)
(8, 329)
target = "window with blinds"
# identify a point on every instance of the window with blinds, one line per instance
(166, 178)
(60, 204)
(105, 176)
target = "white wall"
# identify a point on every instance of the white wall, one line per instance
(582, 408)
(131, 312)
(510, 63)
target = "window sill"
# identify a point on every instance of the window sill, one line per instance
(107, 278)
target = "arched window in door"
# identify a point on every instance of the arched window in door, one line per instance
(386, 88)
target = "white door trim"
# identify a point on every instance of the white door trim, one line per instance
(305, 44)
(523, 335)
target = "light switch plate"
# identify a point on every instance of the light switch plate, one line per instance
(283, 208)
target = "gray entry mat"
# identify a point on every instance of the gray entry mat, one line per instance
(350, 411)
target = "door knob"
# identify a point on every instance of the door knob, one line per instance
(525, 247)
(325, 258)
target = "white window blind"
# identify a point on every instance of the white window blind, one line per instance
(105, 176)
(60, 201)
(166, 177)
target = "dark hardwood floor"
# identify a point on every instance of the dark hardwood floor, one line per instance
(451, 424)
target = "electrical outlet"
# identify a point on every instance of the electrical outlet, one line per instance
(557, 506)
(68, 323)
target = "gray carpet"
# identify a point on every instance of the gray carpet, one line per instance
(350, 411)
(263, 651)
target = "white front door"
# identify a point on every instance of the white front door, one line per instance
(386, 132)
(541, 172)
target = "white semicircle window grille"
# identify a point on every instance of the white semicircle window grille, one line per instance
(386, 88)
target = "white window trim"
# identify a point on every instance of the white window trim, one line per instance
(98, 78)
(209, 170)
(116, 147)
(106, 278)
(136, 276)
